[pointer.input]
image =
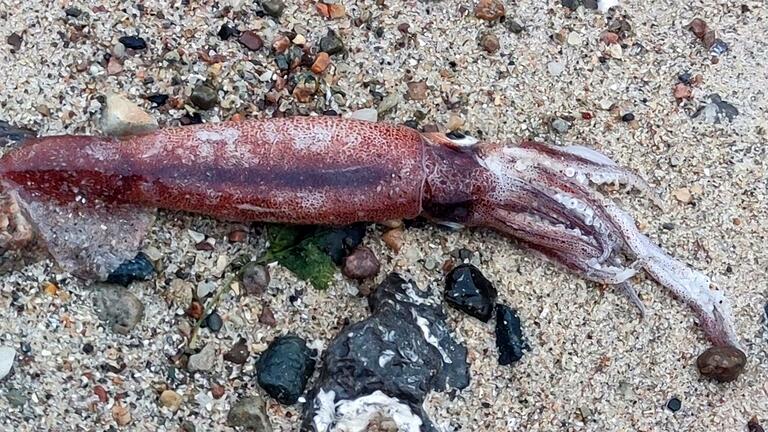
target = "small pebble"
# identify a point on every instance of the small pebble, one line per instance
(73, 12)
(674, 404)
(489, 10)
(139, 268)
(14, 40)
(121, 414)
(120, 308)
(88, 348)
(560, 126)
(683, 195)
(321, 62)
(394, 239)
(121, 117)
(609, 38)
(213, 322)
(284, 368)
(361, 264)
(195, 310)
(753, 425)
(489, 42)
(628, 117)
(133, 42)
(217, 391)
(509, 335)
(171, 400)
(514, 26)
(417, 90)
(251, 40)
(7, 356)
(16, 398)
(226, 32)
(468, 290)
(273, 8)
(250, 414)
(204, 360)
(237, 236)
(204, 97)
(721, 363)
(255, 279)
(555, 68)
(158, 99)
(267, 317)
(238, 354)
(331, 43)
(682, 91)
(698, 27)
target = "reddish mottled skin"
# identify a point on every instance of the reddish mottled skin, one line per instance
(325, 170)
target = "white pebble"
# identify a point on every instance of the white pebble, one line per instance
(7, 355)
(555, 68)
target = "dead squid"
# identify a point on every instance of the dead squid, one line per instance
(90, 199)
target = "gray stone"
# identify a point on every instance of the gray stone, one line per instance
(7, 355)
(16, 398)
(205, 360)
(331, 43)
(273, 8)
(120, 308)
(555, 68)
(251, 414)
(560, 126)
(204, 97)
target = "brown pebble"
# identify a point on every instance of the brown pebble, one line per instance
(281, 44)
(489, 42)
(255, 278)
(195, 310)
(753, 425)
(698, 27)
(267, 317)
(683, 195)
(14, 40)
(417, 90)
(204, 246)
(609, 38)
(114, 66)
(217, 391)
(321, 63)
(237, 236)
(430, 127)
(121, 414)
(361, 264)
(333, 11)
(101, 394)
(709, 38)
(489, 10)
(721, 363)
(238, 354)
(682, 91)
(251, 40)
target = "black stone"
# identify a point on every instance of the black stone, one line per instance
(133, 42)
(137, 269)
(341, 241)
(192, 119)
(213, 322)
(514, 26)
(331, 43)
(389, 353)
(204, 97)
(73, 12)
(674, 404)
(571, 4)
(628, 117)
(158, 99)
(285, 367)
(467, 290)
(718, 48)
(413, 124)
(87, 348)
(509, 335)
(226, 31)
(685, 77)
(282, 62)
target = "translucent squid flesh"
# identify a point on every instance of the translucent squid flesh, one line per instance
(89, 199)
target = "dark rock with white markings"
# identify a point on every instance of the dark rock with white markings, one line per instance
(509, 335)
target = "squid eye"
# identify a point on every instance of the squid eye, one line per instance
(460, 139)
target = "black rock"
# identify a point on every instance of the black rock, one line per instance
(401, 352)
(674, 404)
(273, 8)
(513, 26)
(285, 367)
(509, 335)
(213, 322)
(133, 42)
(571, 4)
(628, 117)
(341, 241)
(467, 290)
(88, 348)
(718, 48)
(331, 43)
(10, 134)
(137, 269)
(73, 12)
(192, 119)
(204, 97)
(413, 124)
(226, 31)
(158, 99)
(685, 77)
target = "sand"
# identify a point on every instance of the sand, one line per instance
(594, 366)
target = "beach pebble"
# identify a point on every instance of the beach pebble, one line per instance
(285, 367)
(489, 42)
(321, 62)
(255, 278)
(417, 90)
(171, 400)
(267, 317)
(214, 322)
(226, 32)
(560, 126)
(721, 363)
(158, 99)
(118, 307)
(555, 68)
(238, 354)
(122, 117)
(7, 355)
(273, 8)
(205, 360)
(394, 239)
(489, 10)
(683, 195)
(682, 91)
(250, 414)
(14, 40)
(139, 268)
(509, 335)
(16, 398)
(121, 414)
(674, 404)
(467, 290)
(361, 264)
(513, 26)
(331, 43)
(251, 40)
(204, 97)
(73, 12)
(716, 110)
(753, 425)
(698, 27)
(133, 42)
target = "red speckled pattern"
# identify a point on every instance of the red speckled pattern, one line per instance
(313, 170)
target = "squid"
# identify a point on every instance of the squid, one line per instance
(91, 199)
